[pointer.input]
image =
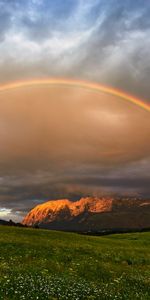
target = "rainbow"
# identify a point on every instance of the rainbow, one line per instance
(77, 83)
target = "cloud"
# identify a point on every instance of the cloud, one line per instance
(74, 147)
(98, 40)
(60, 142)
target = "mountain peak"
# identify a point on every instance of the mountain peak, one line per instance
(66, 209)
(90, 213)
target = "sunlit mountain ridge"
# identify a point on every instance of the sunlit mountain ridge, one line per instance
(90, 214)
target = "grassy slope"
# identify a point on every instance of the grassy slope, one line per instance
(41, 264)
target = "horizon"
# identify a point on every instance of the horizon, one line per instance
(10, 217)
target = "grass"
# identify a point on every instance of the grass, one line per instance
(42, 264)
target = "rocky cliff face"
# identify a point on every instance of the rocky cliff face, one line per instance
(92, 214)
(66, 210)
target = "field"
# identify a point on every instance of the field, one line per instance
(42, 264)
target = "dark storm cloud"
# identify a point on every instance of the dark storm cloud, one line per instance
(116, 182)
(23, 193)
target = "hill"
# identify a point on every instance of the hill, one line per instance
(91, 214)
(11, 223)
(51, 265)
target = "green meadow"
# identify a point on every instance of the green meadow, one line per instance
(42, 264)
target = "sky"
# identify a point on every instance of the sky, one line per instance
(68, 142)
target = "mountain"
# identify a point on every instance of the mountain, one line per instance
(91, 214)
